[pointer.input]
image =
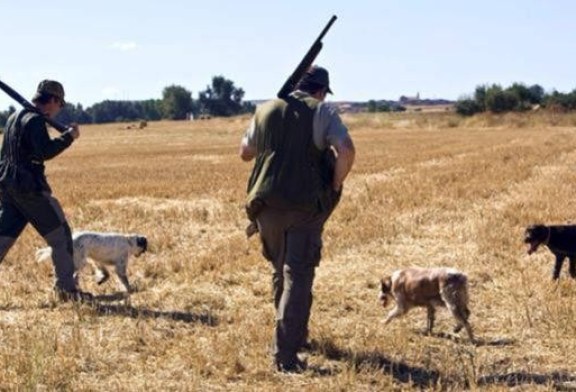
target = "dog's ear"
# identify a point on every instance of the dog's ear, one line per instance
(535, 231)
(142, 243)
(539, 232)
(386, 284)
(528, 233)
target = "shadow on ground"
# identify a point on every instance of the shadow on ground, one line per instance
(101, 304)
(477, 341)
(416, 376)
(421, 378)
(560, 381)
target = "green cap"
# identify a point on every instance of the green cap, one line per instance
(50, 87)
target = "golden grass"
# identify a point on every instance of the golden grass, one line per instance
(426, 190)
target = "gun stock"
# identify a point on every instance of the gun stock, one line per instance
(27, 105)
(306, 62)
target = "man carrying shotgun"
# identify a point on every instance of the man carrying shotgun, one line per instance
(303, 154)
(25, 196)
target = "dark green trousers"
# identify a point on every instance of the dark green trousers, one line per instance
(292, 242)
(45, 214)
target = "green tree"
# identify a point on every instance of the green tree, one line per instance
(73, 114)
(177, 102)
(222, 98)
(151, 109)
(498, 100)
(526, 96)
(502, 101)
(372, 107)
(467, 107)
(521, 92)
(536, 94)
(480, 97)
(560, 101)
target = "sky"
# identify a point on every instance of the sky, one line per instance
(377, 49)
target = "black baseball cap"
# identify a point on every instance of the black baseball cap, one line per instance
(50, 87)
(317, 75)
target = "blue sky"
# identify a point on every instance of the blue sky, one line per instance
(378, 49)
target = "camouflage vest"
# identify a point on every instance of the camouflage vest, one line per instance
(18, 170)
(287, 170)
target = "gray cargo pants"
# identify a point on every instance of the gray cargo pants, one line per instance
(45, 214)
(292, 242)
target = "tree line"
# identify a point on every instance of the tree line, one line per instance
(220, 99)
(516, 98)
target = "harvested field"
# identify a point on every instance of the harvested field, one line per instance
(426, 190)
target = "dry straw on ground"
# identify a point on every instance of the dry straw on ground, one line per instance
(427, 190)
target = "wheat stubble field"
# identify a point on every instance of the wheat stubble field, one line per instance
(426, 190)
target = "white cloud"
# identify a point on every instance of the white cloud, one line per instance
(124, 46)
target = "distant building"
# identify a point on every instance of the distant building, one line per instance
(418, 101)
(405, 100)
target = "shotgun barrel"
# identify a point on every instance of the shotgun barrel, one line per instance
(306, 62)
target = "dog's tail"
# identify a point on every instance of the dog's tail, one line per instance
(43, 254)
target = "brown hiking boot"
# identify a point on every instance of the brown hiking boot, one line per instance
(293, 366)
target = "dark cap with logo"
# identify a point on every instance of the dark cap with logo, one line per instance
(50, 87)
(317, 75)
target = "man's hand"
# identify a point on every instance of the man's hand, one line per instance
(74, 131)
(247, 145)
(247, 153)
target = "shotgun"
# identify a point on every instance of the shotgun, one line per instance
(306, 62)
(27, 105)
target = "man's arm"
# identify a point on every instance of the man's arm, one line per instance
(330, 131)
(43, 146)
(345, 154)
(248, 145)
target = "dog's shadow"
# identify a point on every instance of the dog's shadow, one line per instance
(424, 378)
(560, 381)
(104, 306)
(416, 376)
(464, 340)
(119, 296)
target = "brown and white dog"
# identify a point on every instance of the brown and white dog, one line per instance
(429, 288)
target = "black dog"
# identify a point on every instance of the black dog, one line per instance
(561, 240)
